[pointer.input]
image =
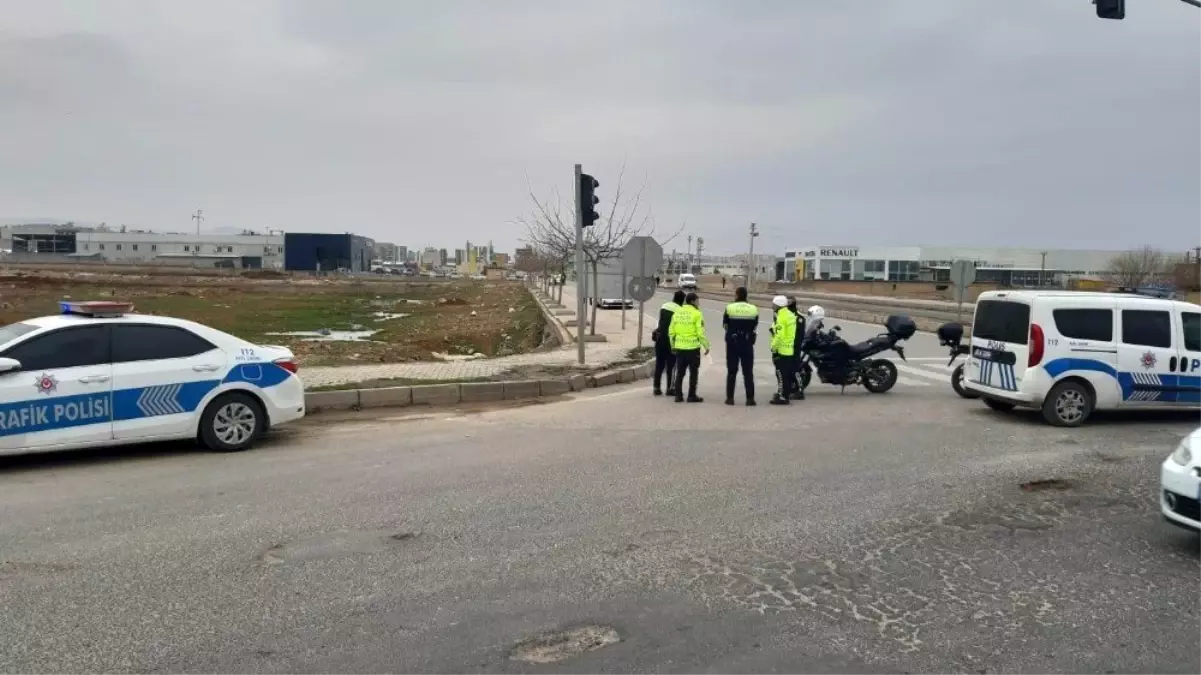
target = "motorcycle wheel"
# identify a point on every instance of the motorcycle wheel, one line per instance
(879, 376)
(957, 384)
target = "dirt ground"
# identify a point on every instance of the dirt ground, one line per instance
(408, 320)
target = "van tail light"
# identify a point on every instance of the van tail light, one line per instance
(289, 365)
(1037, 346)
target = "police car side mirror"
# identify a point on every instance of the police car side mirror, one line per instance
(9, 365)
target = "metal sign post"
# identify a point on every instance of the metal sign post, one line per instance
(623, 294)
(963, 273)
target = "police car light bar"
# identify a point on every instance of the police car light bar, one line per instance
(97, 309)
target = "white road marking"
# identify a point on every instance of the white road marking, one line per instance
(920, 372)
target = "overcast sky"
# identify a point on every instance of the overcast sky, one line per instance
(1022, 123)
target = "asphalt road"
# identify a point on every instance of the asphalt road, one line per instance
(853, 532)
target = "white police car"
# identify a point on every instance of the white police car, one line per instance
(1180, 484)
(98, 375)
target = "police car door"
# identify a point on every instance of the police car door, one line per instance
(161, 375)
(61, 396)
(1145, 354)
(1188, 370)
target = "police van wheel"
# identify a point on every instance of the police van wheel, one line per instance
(231, 423)
(957, 384)
(1068, 405)
(881, 375)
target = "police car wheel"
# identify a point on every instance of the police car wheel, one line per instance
(957, 384)
(1068, 404)
(231, 423)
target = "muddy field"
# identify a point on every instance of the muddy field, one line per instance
(325, 321)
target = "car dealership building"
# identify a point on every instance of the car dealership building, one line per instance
(1004, 266)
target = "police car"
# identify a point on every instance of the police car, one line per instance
(1180, 481)
(96, 374)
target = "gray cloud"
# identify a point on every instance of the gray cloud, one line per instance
(962, 121)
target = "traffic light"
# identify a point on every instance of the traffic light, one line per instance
(588, 200)
(1111, 9)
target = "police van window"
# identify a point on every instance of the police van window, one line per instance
(1002, 321)
(1085, 324)
(1191, 322)
(66, 348)
(13, 331)
(150, 343)
(1147, 328)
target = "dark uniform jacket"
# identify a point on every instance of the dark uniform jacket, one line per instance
(740, 320)
(659, 335)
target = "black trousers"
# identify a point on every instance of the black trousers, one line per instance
(740, 354)
(785, 375)
(687, 360)
(665, 363)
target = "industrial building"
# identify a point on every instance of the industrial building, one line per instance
(238, 251)
(1004, 266)
(327, 252)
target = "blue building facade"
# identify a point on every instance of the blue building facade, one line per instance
(316, 252)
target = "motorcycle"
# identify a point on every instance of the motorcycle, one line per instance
(950, 335)
(839, 363)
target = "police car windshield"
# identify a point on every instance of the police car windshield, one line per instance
(13, 331)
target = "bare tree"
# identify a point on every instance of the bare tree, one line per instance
(551, 227)
(1136, 268)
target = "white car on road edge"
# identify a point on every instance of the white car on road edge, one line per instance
(1180, 484)
(98, 375)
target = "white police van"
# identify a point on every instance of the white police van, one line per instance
(98, 375)
(1069, 353)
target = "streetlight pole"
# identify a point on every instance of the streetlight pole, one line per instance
(750, 258)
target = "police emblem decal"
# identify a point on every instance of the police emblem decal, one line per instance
(1148, 360)
(46, 384)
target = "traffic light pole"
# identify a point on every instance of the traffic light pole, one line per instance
(579, 267)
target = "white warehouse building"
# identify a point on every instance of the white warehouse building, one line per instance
(1004, 266)
(241, 251)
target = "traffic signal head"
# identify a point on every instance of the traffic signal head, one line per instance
(588, 200)
(1111, 9)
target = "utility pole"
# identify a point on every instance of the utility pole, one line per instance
(700, 246)
(1042, 271)
(750, 258)
(198, 217)
(688, 255)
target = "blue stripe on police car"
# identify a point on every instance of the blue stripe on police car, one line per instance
(44, 414)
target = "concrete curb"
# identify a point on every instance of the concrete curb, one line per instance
(558, 319)
(926, 320)
(431, 395)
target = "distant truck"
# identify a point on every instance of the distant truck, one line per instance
(609, 293)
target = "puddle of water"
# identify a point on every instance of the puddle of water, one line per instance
(330, 335)
(388, 316)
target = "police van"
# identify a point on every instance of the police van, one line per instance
(96, 374)
(1069, 353)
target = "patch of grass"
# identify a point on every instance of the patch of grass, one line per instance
(492, 318)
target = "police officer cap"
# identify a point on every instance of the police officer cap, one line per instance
(779, 301)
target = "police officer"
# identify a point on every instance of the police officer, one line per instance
(783, 350)
(740, 320)
(664, 360)
(687, 334)
(798, 390)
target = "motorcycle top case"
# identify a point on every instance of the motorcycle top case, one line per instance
(950, 333)
(901, 326)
